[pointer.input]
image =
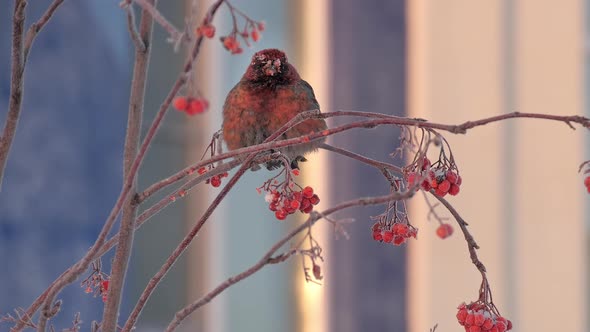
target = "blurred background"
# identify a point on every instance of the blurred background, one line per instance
(447, 61)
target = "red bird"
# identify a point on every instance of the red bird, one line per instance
(270, 93)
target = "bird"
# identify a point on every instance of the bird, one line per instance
(269, 94)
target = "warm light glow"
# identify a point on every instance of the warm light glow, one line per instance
(312, 299)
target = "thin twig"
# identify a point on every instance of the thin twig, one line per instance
(133, 33)
(37, 26)
(175, 35)
(268, 259)
(127, 228)
(372, 162)
(16, 84)
(19, 57)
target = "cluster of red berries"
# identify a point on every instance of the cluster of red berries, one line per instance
(444, 181)
(444, 231)
(190, 106)
(215, 180)
(476, 317)
(286, 203)
(395, 233)
(587, 183)
(231, 42)
(207, 30)
(97, 284)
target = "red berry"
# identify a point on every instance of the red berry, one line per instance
(261, 25)
(400, 229)
(399, 240)
(501, 326)
(454, 190)
(411, 179)
(208, 31)
(215, 181)
(230, 43)
(377, 236)
(425, 164)
(202, 170)
(494, 329)
(295, 204)
(376, 227)
(105, 285)
(469, 320)
(387, 236)
(281, 214)
(197, 106)
(307, 192)
(509, 325)
(180, 103)
(475, 328)
(315, 199)
(440, 193)
(273, 206)
(426, 185)
(255, 35)
(433, 183)
(459, 180)
(295, 172)
(308, 209)
(451, 176)
(487, 324)
(587, 181)
(305, 203)
(461, 315)
(444, 186)
(238, 50)
(444, 231)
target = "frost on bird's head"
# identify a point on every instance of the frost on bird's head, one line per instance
(270, 66)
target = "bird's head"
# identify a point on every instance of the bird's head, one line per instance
(270, 65)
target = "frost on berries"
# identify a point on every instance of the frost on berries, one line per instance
(97, 283)
(393, 226)
(190, 105)
(441, 176)
(287, 197)
(480, 316)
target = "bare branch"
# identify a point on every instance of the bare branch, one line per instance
(16, 84)
(175, 35)
(127, 229)
(37, 26)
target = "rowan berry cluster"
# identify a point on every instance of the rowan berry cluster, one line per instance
(97, 283)
(215, 180)
(251, 31)
(478, 317)
(444, 231)
(190, 105)
(207, 30)
(286, 202)
(439, 177)
(393, 232)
